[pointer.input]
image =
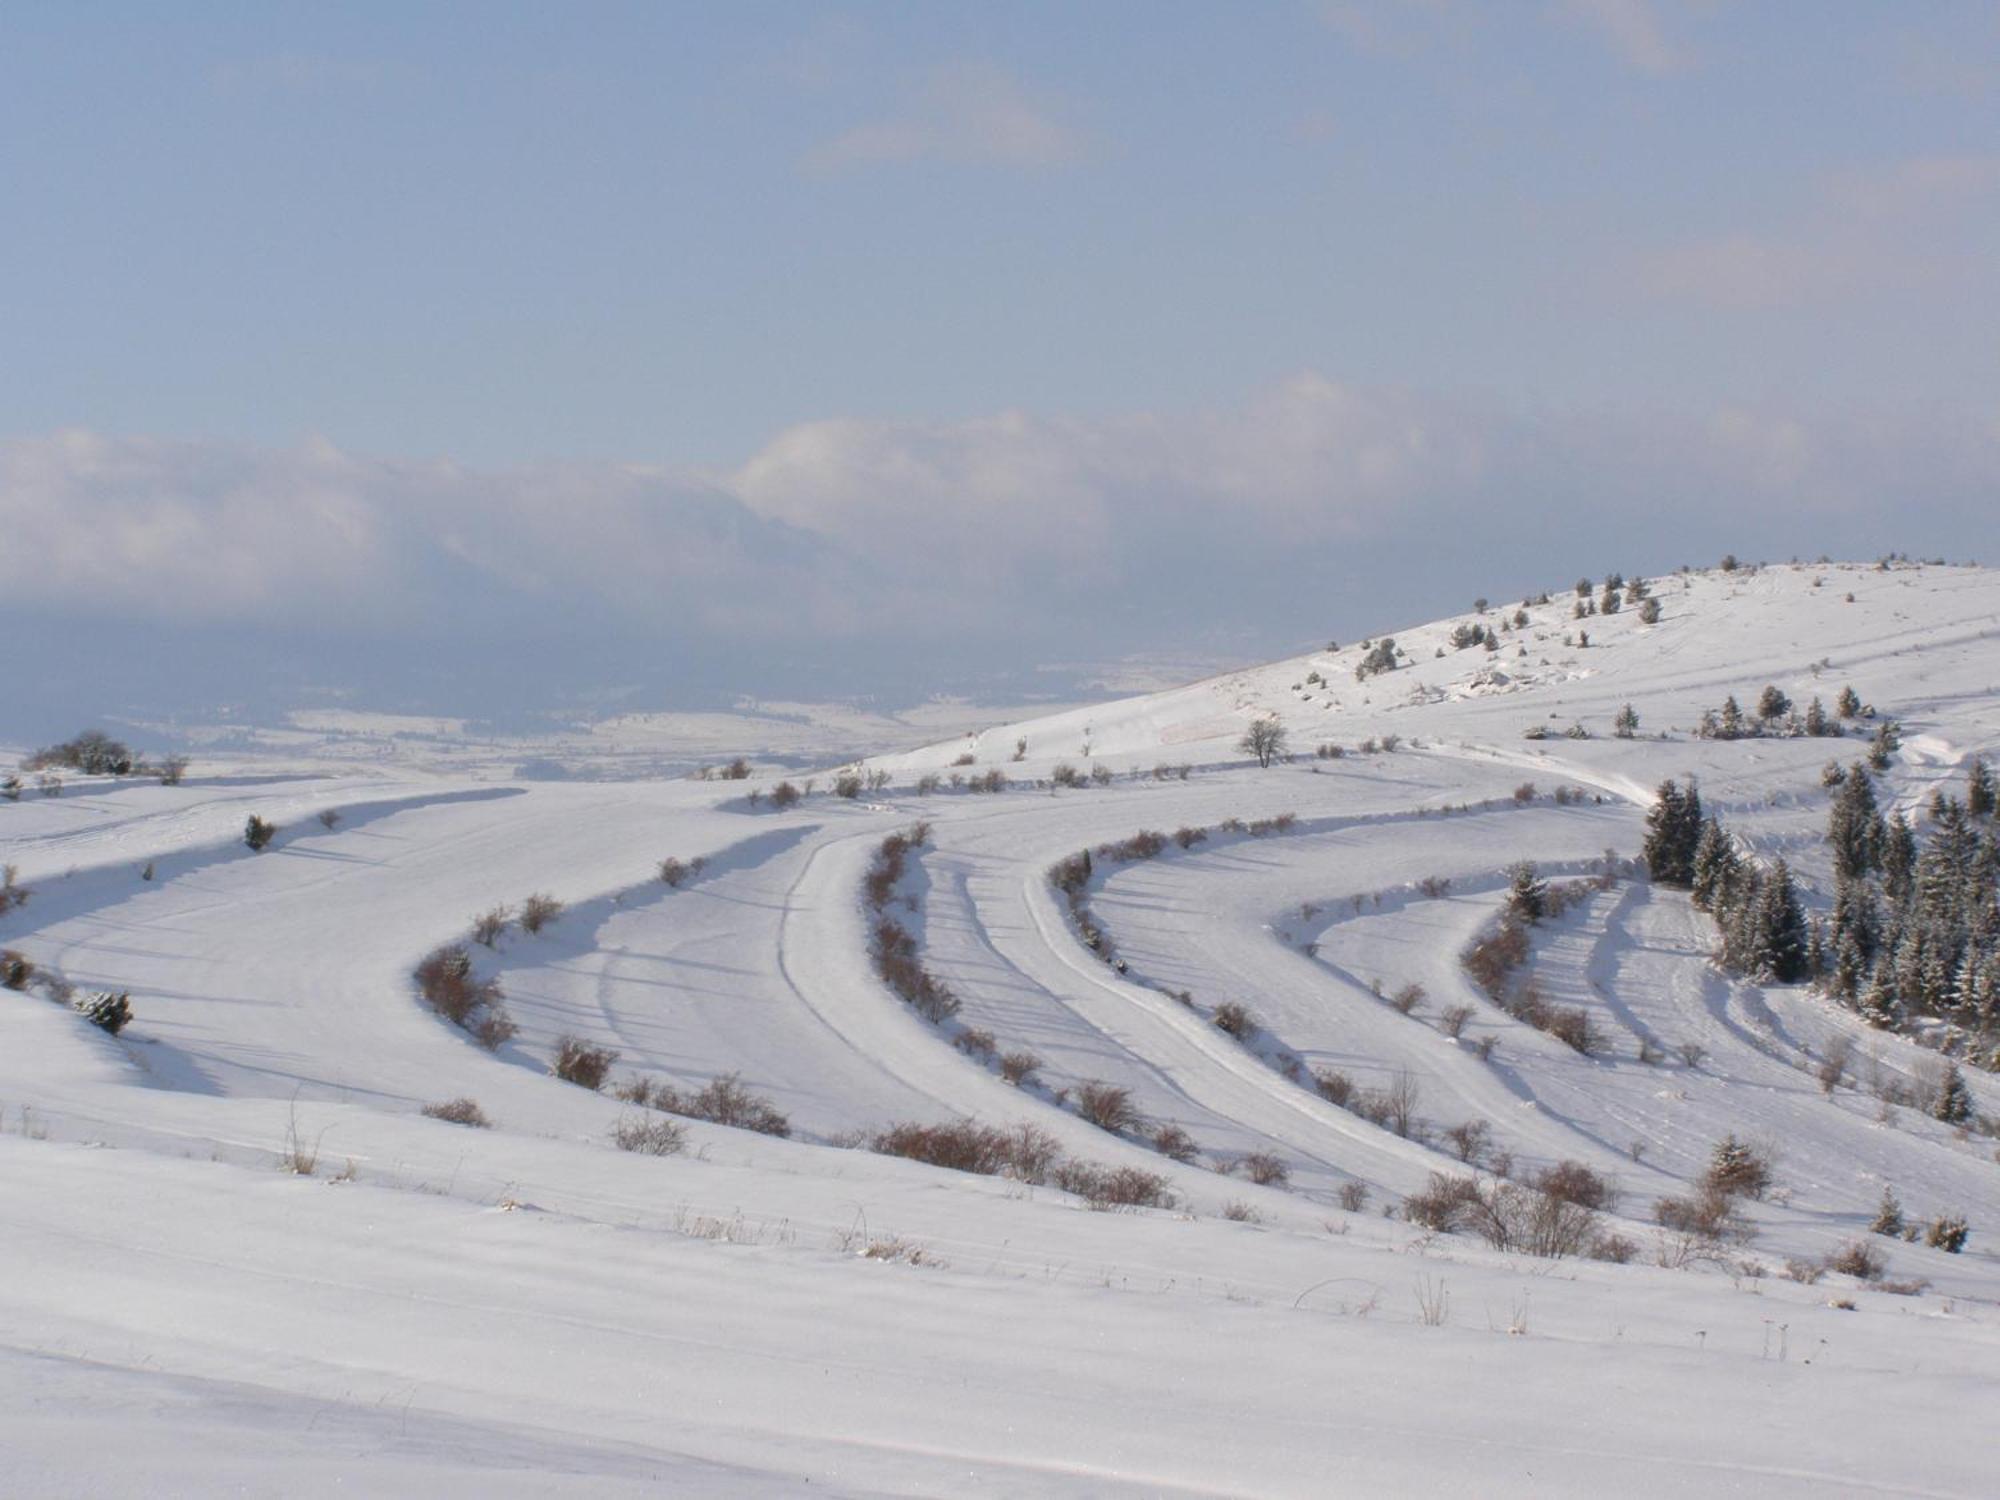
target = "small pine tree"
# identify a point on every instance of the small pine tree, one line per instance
(1953, 1103)
(1773, 704)
(1527, 894)
(1816, 720)
(1626, 725)
(1649, 612)
(1885, 744)
(1847, 705)
(257, 833)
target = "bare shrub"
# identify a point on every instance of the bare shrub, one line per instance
(1239, 1212)
(1106, 1106)
(675, 873)
(1333, 1086)
(967, 758)
(1859, 1259)
(1833, 1064)
(1066, 775)
(1145, 844)
(1188, 837)
(1525, 792)
(1507, 1215)
(1691, 1053)
(994, 780)
(173, 770)
(1353, 1196)
(785, 795)
(1265, 1169)
(847, 784)
(1408, 998)
(490, 924)
(1468, 1141)
(1113, 1187)
(1572, 1026)
(538, 911)
(1947, 1232)
(493, 1028)
(1454, 1019)
(577, 1062)
(1018, 1067)
(976, 1043)
(1435, 887)
(1234, 1019)
(1026, 1152)
(17, 972)
(725, 1101)
(1493, 958)
(1708, 1215)
(1441, 1202)
(927, 783)
(460, 1111)
(649, 1135)
(445, 980)
(1172, 1141)
(1573, 1182)
(329, 818)
(1394, 1106)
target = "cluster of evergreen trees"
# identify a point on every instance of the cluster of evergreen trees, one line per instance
(1915, 926)
(1778, 716)
(1915, 929)
(1764, 930)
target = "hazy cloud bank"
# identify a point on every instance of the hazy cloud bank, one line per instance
(895, 556)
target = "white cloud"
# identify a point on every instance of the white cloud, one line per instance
(1923, 222)
(910, 546)
(963, 114)
(1632, 29)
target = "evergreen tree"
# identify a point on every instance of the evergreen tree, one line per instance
(1885, 744)
(1850, 827)
(1673, 831)
(1953, 1103)
(1716, 865)
(1649, 612)
(1979, 791)
(1899, 858)
(1847, 705)
(1732, 719)
(1527, 894)
(1856, 918)
(1627, 723)
(1773, 704)
(1843, 981)
(1878, 1000)
(1816, 722)
(1780, 929)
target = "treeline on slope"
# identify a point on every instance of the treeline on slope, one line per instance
(1914, 932)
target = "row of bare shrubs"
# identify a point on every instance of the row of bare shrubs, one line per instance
(721, 1101)
(1026, 1153)
(1555, 1213)
(107, 1010)
(534, 917)
(891, 945)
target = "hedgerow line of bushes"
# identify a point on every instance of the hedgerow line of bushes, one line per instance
(108, 1010)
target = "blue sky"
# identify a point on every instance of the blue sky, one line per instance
(1224, 298)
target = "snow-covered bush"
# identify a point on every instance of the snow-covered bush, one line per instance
(105, 1010)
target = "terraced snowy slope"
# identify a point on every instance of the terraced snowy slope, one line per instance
(709, 1318)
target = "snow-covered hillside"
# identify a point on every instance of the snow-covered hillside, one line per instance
(528, 1309)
